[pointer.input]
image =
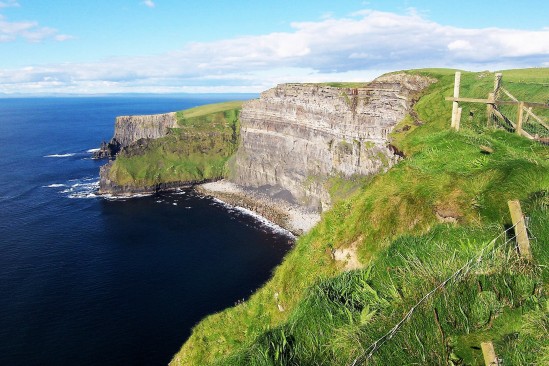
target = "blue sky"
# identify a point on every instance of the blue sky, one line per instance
(111, 46)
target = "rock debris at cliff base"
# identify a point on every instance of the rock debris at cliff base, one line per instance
(292, 217)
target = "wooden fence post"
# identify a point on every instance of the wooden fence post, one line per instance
(497, 83)
(455, 104)
(527, 112)
(490, 107)
(458, 119)
(492, 97)
(490, 358)
(519, 118)
(521, 234)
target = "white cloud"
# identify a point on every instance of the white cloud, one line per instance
(149, 3)
(28, 30)
(460, 44)
(350, 48)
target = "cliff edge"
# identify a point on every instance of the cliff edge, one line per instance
(129, 129)
(297, 136)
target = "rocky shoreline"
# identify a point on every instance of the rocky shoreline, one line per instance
(296, 219)
(108, 187)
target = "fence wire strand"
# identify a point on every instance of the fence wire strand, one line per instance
(462, 271)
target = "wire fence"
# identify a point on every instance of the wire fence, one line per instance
(462, 271)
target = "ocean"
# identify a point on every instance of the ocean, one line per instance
(90, 281)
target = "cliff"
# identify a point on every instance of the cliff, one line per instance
(395, 234)
(296, 136)
(129, 129)
(294, 139)
(165, 151)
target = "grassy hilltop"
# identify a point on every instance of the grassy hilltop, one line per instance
(196, 150)
(412, 228)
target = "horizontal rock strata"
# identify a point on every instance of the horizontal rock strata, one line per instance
(295, 136)
(129, 129)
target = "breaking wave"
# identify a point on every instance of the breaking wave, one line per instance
(82, 188)
(262, 220)
(60, 155)
(55, 185)
(111, 197)
(77, 188)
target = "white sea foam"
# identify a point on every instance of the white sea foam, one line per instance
(78, 188)
(60, 155)
(92, 150)
(111, 197)
(262, 220)
(85, 188)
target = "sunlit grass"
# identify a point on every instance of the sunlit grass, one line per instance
(196, 151)
(210, 109)
(394, 220)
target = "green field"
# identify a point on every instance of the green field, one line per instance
(344, 85)
(412, 228)
(208, 109)
(197, 150)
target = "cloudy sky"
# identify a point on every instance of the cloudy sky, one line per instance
(167, 46)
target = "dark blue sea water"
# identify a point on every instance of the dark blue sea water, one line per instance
(88, 281)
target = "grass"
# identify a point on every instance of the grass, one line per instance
(345, 84)
(210, 109)
(197, 150)
(532, 75)
(341, 316)
(330, 317)
(338, 84)
(525, 84)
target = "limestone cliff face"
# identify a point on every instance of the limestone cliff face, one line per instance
(295, 136)
(129, 129)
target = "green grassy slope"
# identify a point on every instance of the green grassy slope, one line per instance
(395, 224)
(207, 136)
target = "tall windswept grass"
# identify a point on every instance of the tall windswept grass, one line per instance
(413, 227)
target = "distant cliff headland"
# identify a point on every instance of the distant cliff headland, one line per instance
(169, 150)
